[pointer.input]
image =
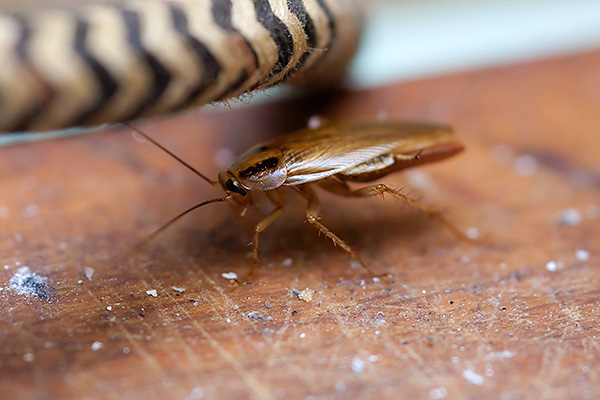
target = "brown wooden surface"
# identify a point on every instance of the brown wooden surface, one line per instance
(453, 320)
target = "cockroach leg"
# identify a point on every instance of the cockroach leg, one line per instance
(312, 215)
(279, 203)
(341, 188)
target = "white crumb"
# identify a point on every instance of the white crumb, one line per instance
(553, 266)
(438, 393)
(358, 365)
(229, 275)
(88, 272)
(472, 233)
(569, 217)
(26, 283)
(582, 255)
(306, 295)
(97, 346)
(473, 377)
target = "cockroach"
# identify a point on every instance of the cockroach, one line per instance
(328, 157)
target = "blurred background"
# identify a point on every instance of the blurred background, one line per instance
(406, 40)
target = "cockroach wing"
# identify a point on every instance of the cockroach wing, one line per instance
(311, 155)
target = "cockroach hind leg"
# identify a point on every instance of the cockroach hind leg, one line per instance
(431, 212)
(381, 189)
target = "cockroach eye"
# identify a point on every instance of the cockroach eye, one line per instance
(233, 187)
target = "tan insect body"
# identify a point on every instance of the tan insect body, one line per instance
(329, 157)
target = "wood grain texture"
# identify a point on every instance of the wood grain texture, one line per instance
(453, 321)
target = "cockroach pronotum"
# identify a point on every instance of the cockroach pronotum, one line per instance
(328, 157)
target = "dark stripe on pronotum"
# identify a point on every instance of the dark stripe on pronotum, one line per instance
(279, 33)
(160, 75)
(260, 167)
(108, 86)
(210, 65)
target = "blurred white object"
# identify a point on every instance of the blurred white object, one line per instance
(413, 39)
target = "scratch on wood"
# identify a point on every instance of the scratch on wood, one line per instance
(260, 390)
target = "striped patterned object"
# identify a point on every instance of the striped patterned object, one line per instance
(113, 62)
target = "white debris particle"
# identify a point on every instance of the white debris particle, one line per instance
(152, 292)
(525, 165)
(500, 355)
(302, 335)
(473, 377)
(88, 272)
(26, 283)
(109, 308)
(28, 357)
(552, 266)
(472, 233)
(287, 262)
(306, 295)
(97, 346)
(376, 279)
(229, 275)
(569, 217)
(358, 365)
(438, 393)
(373, 358)
(178, 289)
(31, 210)
(314, 122)
(255, 315)
(582, 255)
(197, 393)
(126, 350)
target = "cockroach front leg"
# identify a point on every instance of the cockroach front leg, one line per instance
(312, 215)
(341, 188)
(278, 201)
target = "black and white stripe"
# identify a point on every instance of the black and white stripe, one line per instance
(112, 63)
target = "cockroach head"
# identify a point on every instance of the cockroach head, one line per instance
(230, 184)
